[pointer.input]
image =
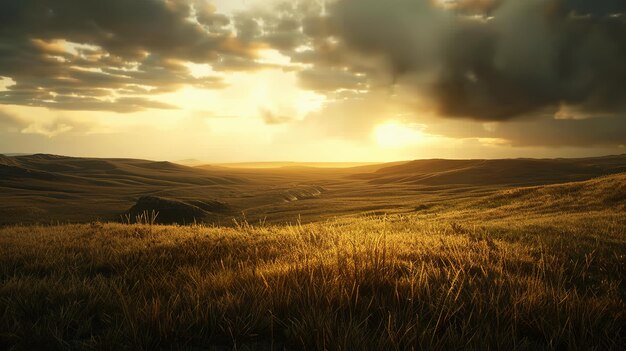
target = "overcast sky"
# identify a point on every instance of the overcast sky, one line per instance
(313, 80)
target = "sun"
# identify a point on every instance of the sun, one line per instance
(397, 135)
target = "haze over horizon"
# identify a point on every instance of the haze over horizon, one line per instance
(313, 80)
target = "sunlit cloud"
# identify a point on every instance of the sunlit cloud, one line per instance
(5, 83)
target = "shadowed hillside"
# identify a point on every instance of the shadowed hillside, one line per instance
(112, 171)
(170, 211)
(495, 172)
(57, 188)
(48, 188)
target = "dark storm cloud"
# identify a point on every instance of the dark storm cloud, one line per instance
(598, 131)
(472, 6)
(538, 131)
(128, 47)
(515, 58)
(488, 60)
(595, 7)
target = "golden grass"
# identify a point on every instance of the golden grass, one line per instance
(394, 283)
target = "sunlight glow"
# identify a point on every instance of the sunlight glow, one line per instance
(398, 135)
(198, 70)
(247, 94)
(273, 57)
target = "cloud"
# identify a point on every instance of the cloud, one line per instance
(49, 128)
(592, 132)
(490, 60)
(507, 61)
(322, 79)
(540, 131)
(109, 55)
(350, 116)
(123, 28)
(510, 61)
(516, 58)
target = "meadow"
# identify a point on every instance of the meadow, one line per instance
(498, 267)
(436, 281)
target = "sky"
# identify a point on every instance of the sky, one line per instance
(313, 80)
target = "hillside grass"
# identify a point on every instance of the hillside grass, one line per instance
(396, 283)
(37, 189)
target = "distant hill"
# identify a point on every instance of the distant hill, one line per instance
(295, 165)
(496, 172)
(43, 188)
(15, 154)
(595, 194)
(190, 162)
(8, 161)
(106, 171)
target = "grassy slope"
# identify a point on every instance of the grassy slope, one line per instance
(493, 172)
(48, 188)
(464, 278)
(592, 195)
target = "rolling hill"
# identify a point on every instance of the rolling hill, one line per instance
(496, 172)
(608, 192)
(467, 253)
(43, 188)
(108, 171)
(535, 268)
(57, 188)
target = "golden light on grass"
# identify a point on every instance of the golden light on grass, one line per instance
(397, 282)
(423, 255)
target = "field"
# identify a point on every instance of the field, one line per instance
(425, 255)
(45, 189)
